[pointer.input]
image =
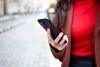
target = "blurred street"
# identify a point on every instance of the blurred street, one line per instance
(25, 45)
(23, 42)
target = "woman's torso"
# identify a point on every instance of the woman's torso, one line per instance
(84, 18)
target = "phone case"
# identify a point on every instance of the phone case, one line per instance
(47, 23)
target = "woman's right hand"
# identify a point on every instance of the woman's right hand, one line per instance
(55, 43)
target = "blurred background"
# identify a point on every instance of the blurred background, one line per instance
(23, 42)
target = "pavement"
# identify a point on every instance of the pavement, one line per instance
(23, 43)
(9, 22)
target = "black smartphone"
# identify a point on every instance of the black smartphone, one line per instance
(47, 23)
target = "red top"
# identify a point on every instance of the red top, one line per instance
(84, 18)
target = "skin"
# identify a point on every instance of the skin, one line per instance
(59, 46)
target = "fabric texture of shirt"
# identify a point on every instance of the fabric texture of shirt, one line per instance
(84, 19)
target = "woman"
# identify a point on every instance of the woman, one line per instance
(79, 23)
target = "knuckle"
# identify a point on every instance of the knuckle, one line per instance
(63, 40)
(48, 36)
(55, 42)
(59, 37)
(52, 43)
(64, 45)
(60, 43)
(48, 40)
(48, 33)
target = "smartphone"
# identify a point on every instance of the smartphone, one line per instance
(47, 23)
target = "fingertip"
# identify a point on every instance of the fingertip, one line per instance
(65, 36)
(60, 34)
(48, 29)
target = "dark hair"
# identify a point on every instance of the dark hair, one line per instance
(60, 10)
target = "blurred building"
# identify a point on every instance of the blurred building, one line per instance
(18, 6)
(8, 7)
(1, 7)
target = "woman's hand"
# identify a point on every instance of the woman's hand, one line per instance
(55, 43)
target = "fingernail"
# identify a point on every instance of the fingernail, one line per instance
(65, 36)
(47, 28)
(61, 34)
(67, 39)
